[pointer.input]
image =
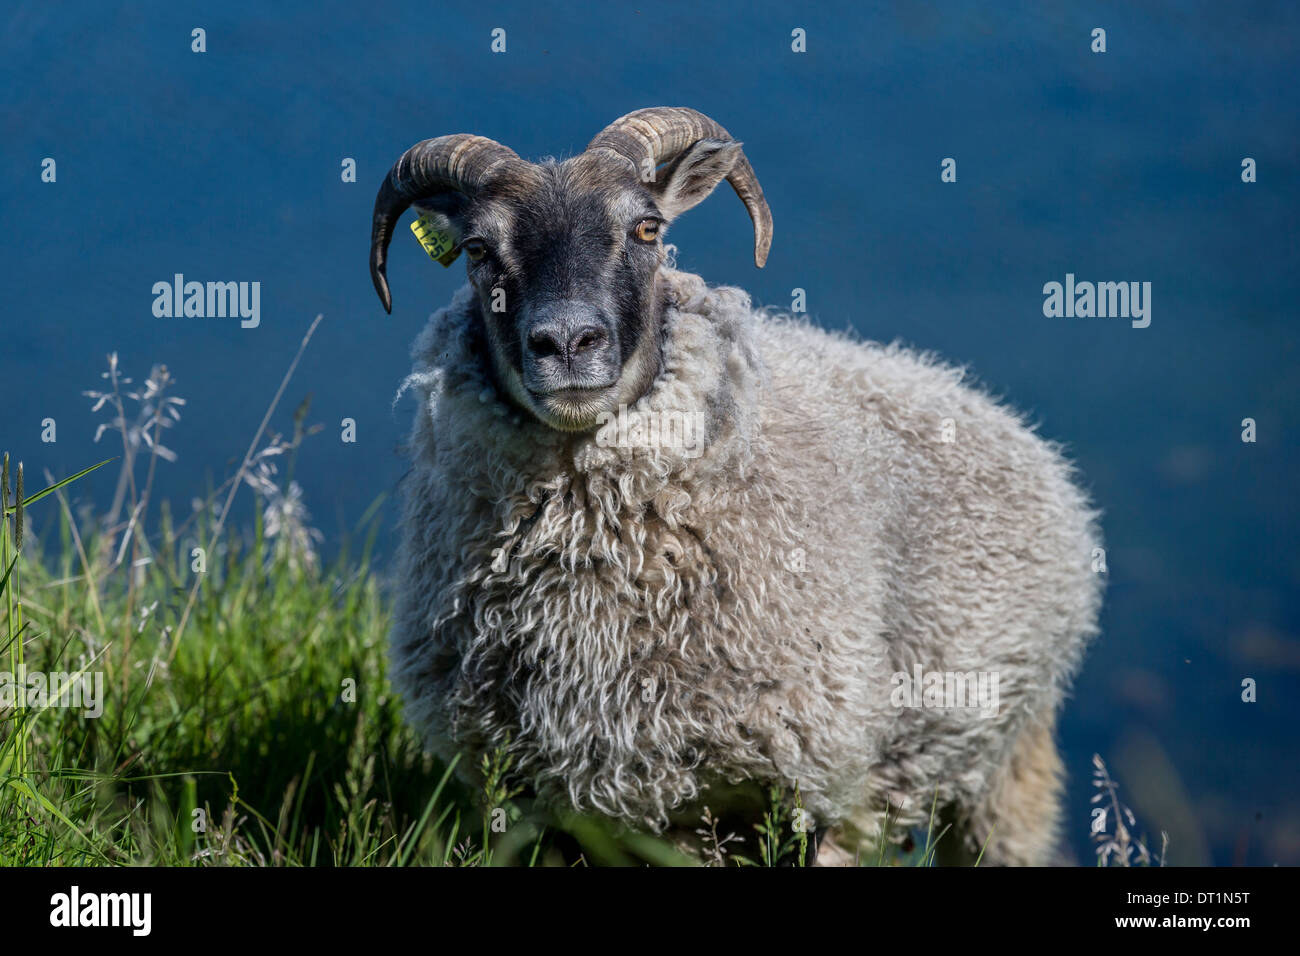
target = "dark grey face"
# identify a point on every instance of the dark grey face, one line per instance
(565, 261)
(565, 270)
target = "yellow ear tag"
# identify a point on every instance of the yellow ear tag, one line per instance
(437, 244)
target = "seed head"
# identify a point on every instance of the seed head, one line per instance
(18, 512)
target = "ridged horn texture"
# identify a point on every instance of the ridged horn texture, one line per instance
(460, 162)
(662, 133)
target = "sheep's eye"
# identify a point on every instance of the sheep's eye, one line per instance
(476, 249)
(647, 230)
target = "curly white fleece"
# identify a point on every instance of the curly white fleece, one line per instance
(640, 623)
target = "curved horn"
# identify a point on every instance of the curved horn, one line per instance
(662, 133)
(461, 162)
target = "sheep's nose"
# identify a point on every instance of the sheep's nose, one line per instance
(563, 341)
(547, 340)
(585, 338)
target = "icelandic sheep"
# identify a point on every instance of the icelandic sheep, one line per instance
(664, 546)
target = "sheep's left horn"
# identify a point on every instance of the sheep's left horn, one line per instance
(662, 133)
(461, 163)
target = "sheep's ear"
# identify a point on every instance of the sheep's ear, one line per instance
(439, 227)
(688, 180)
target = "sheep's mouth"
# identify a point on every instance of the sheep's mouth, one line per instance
(579, 395)
(573, 408)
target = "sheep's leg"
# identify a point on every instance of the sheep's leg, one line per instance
(831, 852)
(1021, 815)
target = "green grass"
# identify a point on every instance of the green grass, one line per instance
(247, 718)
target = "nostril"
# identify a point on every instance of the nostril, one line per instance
(589, 337)
(544, 342)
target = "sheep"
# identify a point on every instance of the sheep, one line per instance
(651, 627)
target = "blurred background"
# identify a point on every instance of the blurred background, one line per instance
(1123, 166)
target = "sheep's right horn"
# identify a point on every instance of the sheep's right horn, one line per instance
(662, 133)
(460, 162)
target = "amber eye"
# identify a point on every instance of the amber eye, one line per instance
(647, 230)
(476, 249)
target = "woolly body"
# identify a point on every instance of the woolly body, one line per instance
(645, 625)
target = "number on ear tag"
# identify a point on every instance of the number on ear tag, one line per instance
(436, 243)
